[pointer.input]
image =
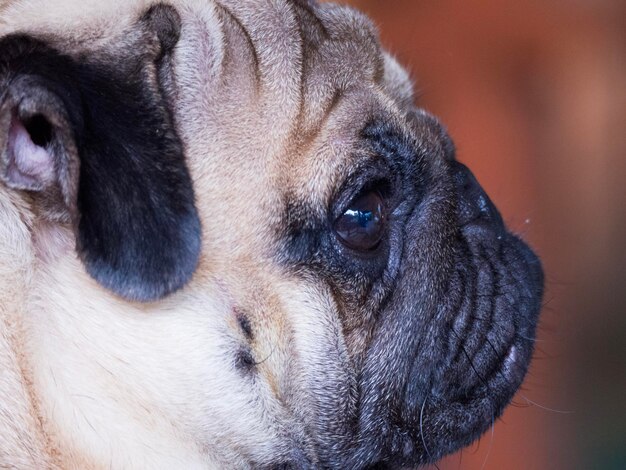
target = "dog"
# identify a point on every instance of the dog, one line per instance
(230, 239)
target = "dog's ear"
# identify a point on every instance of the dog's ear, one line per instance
(96, 135)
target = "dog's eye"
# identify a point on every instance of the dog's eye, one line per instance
(361, 226)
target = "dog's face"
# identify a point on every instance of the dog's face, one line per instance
(230, 240)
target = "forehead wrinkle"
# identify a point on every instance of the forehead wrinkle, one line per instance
(272, 30)
(343, 57)
(340, 148)
(342, 52)
(247, 40)
(335, 151)
(300, 91)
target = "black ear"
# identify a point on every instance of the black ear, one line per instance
(100, 134)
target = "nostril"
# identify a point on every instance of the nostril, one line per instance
(474, 206)
(461, 176)
(466, 181)
(484, 205)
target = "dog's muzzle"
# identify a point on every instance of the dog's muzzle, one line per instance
(495, 299)
(465, 342)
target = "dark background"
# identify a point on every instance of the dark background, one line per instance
(534, 95)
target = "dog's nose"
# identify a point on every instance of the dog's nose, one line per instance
(475, 209)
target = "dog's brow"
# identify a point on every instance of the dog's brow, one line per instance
(248, 39)
(394, 143)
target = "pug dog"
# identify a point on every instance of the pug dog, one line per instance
(229, 239)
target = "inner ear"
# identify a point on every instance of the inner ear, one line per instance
(30, 157)
(29, 162)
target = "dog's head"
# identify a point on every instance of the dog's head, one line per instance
(245, 244)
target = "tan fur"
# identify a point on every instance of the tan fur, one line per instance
(268, 99)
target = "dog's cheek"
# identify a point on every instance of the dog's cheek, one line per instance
(408, 344)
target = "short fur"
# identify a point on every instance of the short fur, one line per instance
(173, 293)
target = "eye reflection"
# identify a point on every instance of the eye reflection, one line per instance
(361, 226)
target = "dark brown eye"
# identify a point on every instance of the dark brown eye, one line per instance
(362, 225)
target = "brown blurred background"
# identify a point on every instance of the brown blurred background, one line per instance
(534, 95)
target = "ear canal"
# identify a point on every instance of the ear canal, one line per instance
(138, 232)
(28, 160)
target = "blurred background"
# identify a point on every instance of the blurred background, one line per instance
(534, 95)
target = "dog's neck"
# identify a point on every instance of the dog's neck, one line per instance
(49, 329)
(20, 429)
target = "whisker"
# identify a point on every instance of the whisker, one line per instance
(471, 363)
(519, 405)
(422, 432)
(502, 322)
(461, 457)
(551, 410)
(267, 357)
(490, 442)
